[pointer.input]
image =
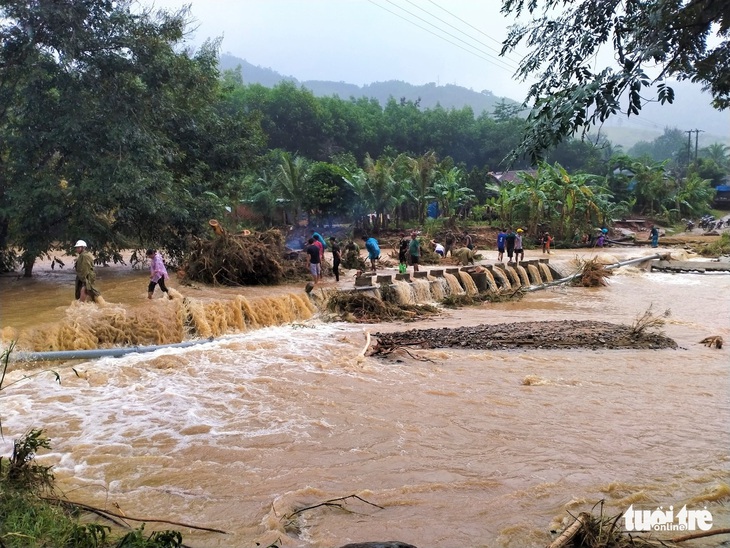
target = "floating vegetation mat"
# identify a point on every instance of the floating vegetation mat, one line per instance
(359, 307)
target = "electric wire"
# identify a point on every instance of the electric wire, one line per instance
(506, 62)
(482, 55)
(510, 61)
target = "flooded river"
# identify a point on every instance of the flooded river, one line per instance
(282, 412)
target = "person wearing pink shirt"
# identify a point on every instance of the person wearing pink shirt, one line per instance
(158, 273)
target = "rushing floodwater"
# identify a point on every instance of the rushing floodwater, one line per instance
(467, 448)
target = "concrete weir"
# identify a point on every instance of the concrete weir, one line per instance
(435, 284)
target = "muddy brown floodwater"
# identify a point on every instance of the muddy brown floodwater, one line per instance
(456, 446)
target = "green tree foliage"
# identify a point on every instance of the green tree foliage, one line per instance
(321, 128)
(328, 195)
(108, 132)
(672, 145)
(553, 200)
(291, 180)
(450, 191)
(571, 92)
(422, 170)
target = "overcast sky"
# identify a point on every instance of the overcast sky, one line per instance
(364, 41)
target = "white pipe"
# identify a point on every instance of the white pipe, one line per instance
(98, 352)
(607, 267)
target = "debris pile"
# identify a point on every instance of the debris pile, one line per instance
(244, 259)
(358, 307)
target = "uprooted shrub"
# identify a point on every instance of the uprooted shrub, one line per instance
(244, 259)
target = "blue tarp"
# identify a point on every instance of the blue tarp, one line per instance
(433, 210)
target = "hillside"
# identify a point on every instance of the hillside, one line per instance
(448, 96)
(690, 110)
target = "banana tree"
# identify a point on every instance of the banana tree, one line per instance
(450, 191)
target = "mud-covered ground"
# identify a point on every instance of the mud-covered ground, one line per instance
(525, 335)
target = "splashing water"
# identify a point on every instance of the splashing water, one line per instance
(468, 282)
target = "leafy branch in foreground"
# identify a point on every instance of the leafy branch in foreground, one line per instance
(573, 92)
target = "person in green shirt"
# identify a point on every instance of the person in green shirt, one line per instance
(414, 248)
(85, 275)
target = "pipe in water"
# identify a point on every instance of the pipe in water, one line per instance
(99, 352)
(607, 267)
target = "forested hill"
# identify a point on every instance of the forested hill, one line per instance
(691, 109)
(448, 96)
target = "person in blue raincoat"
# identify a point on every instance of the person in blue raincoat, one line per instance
(371, 244)
(317, 236)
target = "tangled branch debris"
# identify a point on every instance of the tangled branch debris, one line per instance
(110, 515)
(244, 259)
(649, 321)
(594, 275)
(359, 307)
(592, 531)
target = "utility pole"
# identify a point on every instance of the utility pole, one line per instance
(697, 136)
(689, 143)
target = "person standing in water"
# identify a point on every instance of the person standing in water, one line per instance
(403, 253)
(501, 239)
(158, 273)
(371, 244)
(336, 257)
(314, 260)
(318, 238)
(509, 242)
(546, 241)
(85, 275)
(654, 234)
(414, 248)
(519, 251)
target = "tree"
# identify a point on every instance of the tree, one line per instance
(291, 179)
(671, 145)
(108, 132)
(718, 153)
(571, 93)
(691, 196)
(263, 196)
(450, 191)
(422, 172)
(327, 192)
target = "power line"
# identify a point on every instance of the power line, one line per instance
(462, 32)
(465, 22)
(441, 37)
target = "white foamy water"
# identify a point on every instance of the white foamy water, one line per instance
(460, 448)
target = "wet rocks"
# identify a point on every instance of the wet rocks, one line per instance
(543, 335)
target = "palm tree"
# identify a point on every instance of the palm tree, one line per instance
(381, 184)
(291, 179)
(718, 153)
(422, 172)
(264, 198)
(377, 187)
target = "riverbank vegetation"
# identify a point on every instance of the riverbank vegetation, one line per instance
(32, 516)
(181, 143)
